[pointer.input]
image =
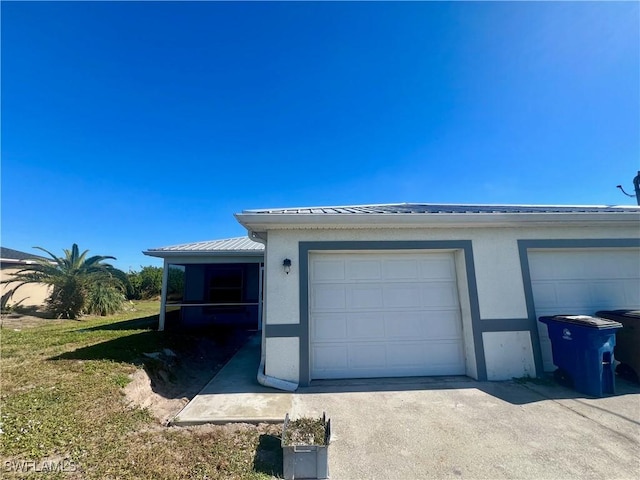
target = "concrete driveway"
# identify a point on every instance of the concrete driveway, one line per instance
(459, 428)
(442, 427)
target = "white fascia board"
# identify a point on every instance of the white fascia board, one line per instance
(15, 261)
(11, 260)
(202, 253)
(262, 222)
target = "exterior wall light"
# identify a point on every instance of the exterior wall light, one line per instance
(286, 264)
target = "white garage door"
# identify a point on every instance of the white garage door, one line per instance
(581, 282)
(384, 315)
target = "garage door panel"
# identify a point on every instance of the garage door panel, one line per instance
(330, 357)
(632, 294)
(582, 281)
(573, 294)
(446, 354)
(363, 270)
(444, 325)
(367, 355)
(549, 268)
(582, 296)
(328, 297)
(364, 297)
(437, 295)
(406, 355)
(441, 325)
(404, 325)
(616, 270)
(608, 293)
(327, 270)
(620, 265)
(328, 326)
(437, 269)
(391, 360)
(445, 358)
(400, 270)
(546, 293)
(402, 295)
(401, 313)
(369, 326)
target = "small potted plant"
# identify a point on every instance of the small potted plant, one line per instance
(305, 447)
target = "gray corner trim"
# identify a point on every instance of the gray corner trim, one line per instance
(303, 259)
(505, 325)
(474, 304)
(523, 249)
(304, 345)
(282, 330)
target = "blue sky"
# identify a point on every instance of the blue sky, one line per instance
(127, 125)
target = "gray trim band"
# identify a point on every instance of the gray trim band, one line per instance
(505, 325)
(282, 330)
(464, 245)
(523, 249)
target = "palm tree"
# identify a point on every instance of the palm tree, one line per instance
(75, 281)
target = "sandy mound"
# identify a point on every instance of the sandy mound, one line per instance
(140, 394)
(170, 379)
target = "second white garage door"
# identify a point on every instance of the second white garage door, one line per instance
(582, 281)
(384, 315)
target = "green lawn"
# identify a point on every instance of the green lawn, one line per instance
(63, 408)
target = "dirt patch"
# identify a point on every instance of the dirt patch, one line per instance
(140, 393)
(18, 321)
(170, 378)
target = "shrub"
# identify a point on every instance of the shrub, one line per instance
(104, 299)
(145, 284)
(67, 298)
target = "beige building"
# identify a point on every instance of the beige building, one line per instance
(12, 261)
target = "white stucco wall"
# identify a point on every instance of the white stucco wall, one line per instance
(508, 355)
(282, 299)
(499, 282)
(284, 367)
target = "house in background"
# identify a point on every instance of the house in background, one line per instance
(12, 261)
(418, 289)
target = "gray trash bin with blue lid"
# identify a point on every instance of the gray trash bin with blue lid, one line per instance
(582, 349)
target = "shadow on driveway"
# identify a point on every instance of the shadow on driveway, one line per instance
(536, 389)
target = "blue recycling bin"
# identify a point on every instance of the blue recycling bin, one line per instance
(582, 349)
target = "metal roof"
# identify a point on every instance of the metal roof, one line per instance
(239, 245)
(427, 208)
(431, 215)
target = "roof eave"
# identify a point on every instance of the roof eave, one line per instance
(26, 261)
(258, 222)
(203, 253)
